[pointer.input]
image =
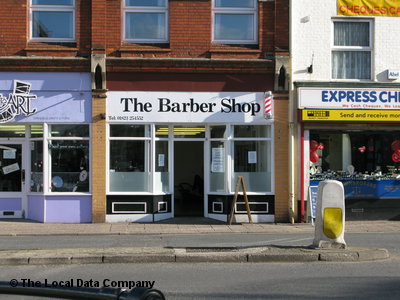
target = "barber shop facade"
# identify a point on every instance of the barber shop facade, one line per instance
(179, 153)
(45, 121)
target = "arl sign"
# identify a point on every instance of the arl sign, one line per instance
(379, 8)
(17, 103)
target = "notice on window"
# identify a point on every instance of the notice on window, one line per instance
(217, 160)
(161, 160)
(9, 154)
(252, 157)
(10, 169)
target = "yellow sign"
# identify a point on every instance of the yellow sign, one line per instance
(380, 8)
(350, 115)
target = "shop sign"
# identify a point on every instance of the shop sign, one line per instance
(383, 8)
(17, 103)
(349, 98)
(175, 107)
(350, 115)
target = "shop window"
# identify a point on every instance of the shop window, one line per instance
(217, 166)
(252, 157)
(161, 178)
(352, 49)
(52, 20)
(354, 155)
(129, 158)
(69, 158)
(36, 184)
(146, 21)
(235, 21)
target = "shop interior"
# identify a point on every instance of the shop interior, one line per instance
(373, 155)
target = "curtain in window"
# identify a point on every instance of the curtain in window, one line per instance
(351, 34)
(349, 63)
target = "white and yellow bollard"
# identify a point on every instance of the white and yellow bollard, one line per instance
(330, 215)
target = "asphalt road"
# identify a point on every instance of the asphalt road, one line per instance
(390, 241)
(372, 280)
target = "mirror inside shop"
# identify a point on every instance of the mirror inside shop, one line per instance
(368, 155)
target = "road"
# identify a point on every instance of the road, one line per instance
(371, 280)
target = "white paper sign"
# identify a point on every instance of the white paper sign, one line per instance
(11, 168)
(217, 163)
(9, 154)
(161, 160)
(252, 156)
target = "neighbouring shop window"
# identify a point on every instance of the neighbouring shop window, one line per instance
(354, 155)
(129, 158)
(10, 167)
(36, 184)
(235, 21)
(52, 20)
(352, 49)
(252, 157)
(69, 158)
(12, 131)
(146, 21)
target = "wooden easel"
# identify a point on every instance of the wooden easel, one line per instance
(239, 183)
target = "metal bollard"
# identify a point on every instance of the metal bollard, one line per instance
(330, 215)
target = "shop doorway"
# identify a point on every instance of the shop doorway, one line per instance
(189, 178)
(12, 179)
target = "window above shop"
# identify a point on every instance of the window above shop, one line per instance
(52, 20)
(145, 21)
(235, 21)
(352, 49)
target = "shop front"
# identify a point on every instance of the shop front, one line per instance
(352, 134)
(45, 146)
(180, 154)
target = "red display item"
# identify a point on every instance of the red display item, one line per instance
(395, 145)
(396, 156)
(313, 145)
(362, 149)
(321, 146)
(314, 156)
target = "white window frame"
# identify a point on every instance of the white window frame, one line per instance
(52, 8)
(368, 48)
(236, 11)
(145, 9)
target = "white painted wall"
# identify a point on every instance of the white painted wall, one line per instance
(311, 33)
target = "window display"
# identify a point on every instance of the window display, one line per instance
(367, 162)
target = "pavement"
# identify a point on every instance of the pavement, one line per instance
(189, 254)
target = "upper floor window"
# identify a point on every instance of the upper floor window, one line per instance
(52, 20)
(146, 21)
(352, 49)
(235, 21)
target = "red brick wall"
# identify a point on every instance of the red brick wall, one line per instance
(14, 32)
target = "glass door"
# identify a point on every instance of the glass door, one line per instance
(12, 179)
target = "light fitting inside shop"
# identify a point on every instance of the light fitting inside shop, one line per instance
(181, 130)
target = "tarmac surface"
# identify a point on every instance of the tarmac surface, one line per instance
(189, 254)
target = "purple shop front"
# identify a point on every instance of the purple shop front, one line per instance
(45, 146)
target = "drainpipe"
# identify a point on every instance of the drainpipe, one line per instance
(292, 128)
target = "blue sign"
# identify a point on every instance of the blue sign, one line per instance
(369, 189)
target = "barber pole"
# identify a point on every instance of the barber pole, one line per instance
(268, 105)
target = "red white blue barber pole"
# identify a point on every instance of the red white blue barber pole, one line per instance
(268, 105)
